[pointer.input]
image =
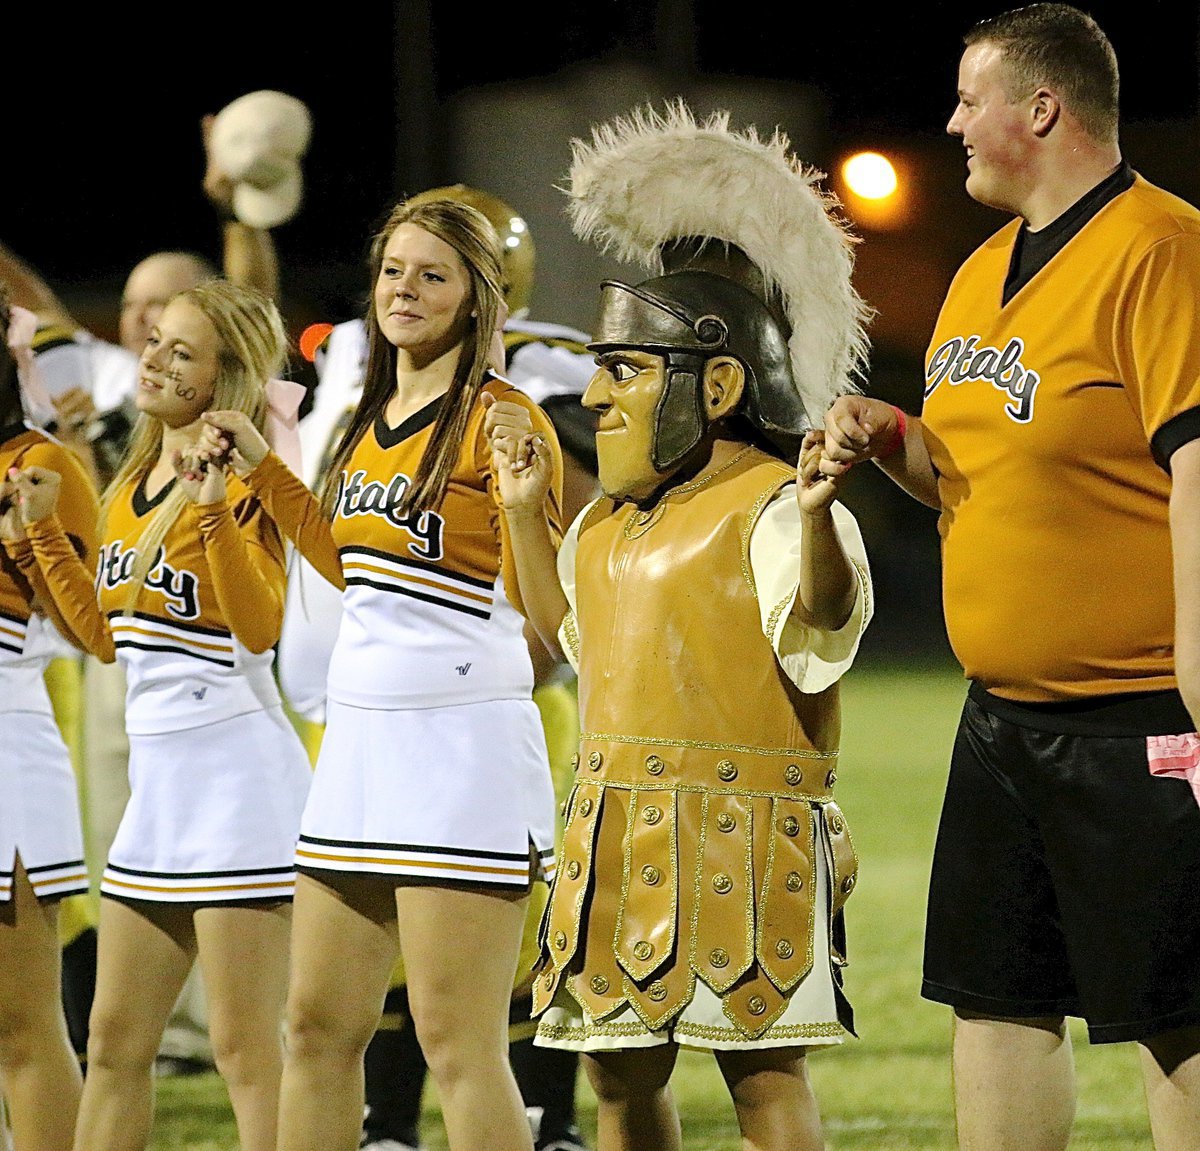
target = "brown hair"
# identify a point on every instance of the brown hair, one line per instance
(1063, 48)
(472, 236)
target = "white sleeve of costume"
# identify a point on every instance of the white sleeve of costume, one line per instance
(568, 636)
(812, 659)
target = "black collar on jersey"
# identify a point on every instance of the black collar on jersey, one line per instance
(409, 426)
(1032, 251)
(141, 504)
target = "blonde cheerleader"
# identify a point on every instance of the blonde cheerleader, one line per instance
(188, 595)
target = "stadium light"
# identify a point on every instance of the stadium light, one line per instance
(870, 175)
(873, 189)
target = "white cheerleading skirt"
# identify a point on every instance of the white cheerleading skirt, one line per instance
(456, 795)
(39, 808)
(213, 814)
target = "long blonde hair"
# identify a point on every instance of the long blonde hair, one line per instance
(253, 349)
(470, 233)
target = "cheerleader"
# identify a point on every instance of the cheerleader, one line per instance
(432, 808)
(41, 841)
(188, 594)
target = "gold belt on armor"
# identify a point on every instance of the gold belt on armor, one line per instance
(678, 765)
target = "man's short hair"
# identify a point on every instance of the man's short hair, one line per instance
(1062, 48)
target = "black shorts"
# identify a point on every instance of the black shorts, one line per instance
(1066, 878)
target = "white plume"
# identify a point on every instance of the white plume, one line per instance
(648, 178)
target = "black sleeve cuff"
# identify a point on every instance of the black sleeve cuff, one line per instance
(1176, 432)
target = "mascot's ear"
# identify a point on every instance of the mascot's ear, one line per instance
(724, 384)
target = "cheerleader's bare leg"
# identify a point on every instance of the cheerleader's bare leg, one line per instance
(460, 955)
(243, 954)
(144, 955)
(343, 949)
(39, 1073)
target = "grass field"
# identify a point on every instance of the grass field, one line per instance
(889, 1089)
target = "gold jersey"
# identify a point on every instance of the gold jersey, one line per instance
(1039, 416)
(196, 646)
(31, 630)
(431, 613)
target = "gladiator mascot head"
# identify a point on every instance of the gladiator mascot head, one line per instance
(749, 325)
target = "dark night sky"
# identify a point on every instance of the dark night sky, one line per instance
(104, 158)
(103, 113)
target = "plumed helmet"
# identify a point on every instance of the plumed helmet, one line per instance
(516, 241)
(749, 258)
(688, 317)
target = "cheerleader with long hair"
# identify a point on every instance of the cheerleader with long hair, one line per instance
(432, 809)
(188, 595)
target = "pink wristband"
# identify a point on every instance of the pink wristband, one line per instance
(897, 441)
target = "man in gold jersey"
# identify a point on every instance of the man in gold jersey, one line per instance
(1060, 441)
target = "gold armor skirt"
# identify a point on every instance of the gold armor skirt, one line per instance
(695, 900)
